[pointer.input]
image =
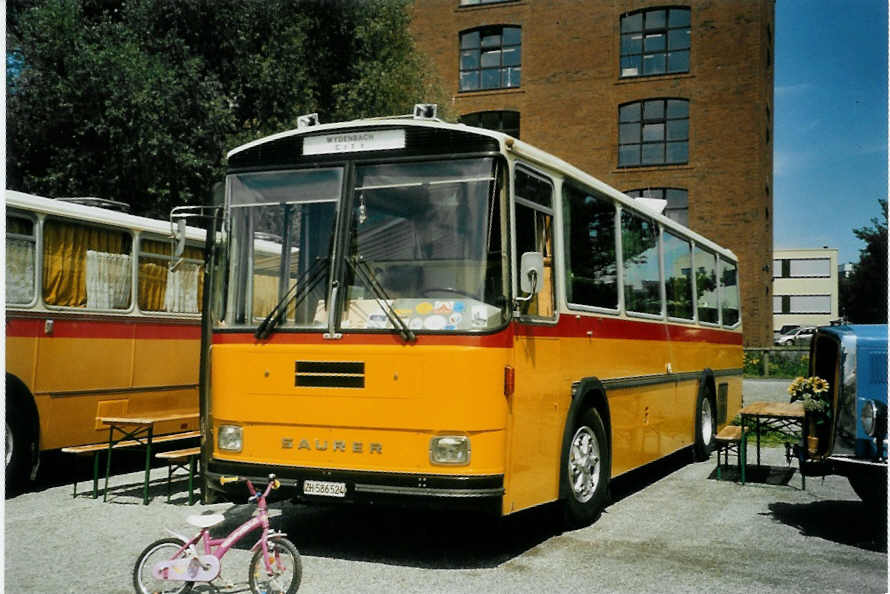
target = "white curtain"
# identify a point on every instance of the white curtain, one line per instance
(109, 278)
(182, 288)
(19, 271)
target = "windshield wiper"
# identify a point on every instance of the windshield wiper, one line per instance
(364, 272)
(295, 294)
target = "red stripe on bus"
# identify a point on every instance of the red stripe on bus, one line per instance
(36, 328)
(569, 326)
(503, 339)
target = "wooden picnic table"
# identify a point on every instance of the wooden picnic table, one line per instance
(141, 430)
(787, 418)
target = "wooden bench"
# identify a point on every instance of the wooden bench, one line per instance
(729, 439)
(185, 459)
(95, 448)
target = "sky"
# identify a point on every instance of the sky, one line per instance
(830, 122)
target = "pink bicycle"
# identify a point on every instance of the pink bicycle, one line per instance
(175, 564)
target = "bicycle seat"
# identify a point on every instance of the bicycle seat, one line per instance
(205, 520)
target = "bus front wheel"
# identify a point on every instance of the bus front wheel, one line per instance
(587, 470)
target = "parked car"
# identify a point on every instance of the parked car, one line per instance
(784, 330)
(798, 336)
(853, 359)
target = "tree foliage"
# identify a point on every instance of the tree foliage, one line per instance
(138, 101)
(864, 294)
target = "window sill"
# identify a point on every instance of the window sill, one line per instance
(475, 7)
(487, 92)
(645, 168)
(653, 78)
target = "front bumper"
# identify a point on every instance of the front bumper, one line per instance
(457, 491)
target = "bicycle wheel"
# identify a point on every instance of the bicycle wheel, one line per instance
(284, 558)
(160, 550)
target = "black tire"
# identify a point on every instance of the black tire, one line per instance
(871, 487)
(285, 553)
(19, 446)
(586, 471)
(157, 551)
(705, 426)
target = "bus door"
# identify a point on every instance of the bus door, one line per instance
(534, 423)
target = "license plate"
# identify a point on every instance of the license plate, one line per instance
(324, 488)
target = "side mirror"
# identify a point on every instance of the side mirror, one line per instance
(179, 236)
(531, 272)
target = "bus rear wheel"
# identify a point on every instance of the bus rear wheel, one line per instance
(705, 426)
(587, 470)
(19, 444)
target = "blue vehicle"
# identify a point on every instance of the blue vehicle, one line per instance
(854, 444)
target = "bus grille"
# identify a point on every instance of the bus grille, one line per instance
(330, 374)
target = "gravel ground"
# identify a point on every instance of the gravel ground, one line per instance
(671, 527)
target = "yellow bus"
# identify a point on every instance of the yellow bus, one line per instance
(100, 321)
(461, 320)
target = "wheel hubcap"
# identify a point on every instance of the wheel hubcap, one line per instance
(9, 444)
(707, 421)
(584, 460)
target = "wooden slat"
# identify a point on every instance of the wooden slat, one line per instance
(95, 447)
(730, 433)
(774, 409)
(172, 455)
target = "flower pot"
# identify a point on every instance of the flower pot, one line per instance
(812, 445)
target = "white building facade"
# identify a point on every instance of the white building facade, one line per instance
(805, 287)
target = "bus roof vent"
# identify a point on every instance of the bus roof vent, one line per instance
(654, 204)
(305, 121)
(425, 111)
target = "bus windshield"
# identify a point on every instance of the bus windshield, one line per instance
(423, 247)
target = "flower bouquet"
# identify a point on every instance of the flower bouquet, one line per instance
(813, 392)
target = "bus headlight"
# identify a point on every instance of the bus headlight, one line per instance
(450, 449)
(229, 438)
(869, 417)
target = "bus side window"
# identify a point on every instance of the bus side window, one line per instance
(162, 289)
(86, 266)
(20, 260)
(534, 233)
(591, 256)
(729, 293)
(641, 276)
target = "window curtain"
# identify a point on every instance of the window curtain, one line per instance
(65, 249)
(108, 280)
(19, 271)
(182, 288)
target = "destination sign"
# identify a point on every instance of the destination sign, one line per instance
(353, 142)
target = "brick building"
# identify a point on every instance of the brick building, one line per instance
(655, 98)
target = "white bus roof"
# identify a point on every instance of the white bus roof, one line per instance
(92, 214)
(508, 144)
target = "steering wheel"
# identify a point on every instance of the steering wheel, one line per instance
(426, 292)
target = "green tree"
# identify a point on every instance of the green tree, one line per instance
(864, 294)
(138, 101)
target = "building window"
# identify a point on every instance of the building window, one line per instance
(677, 208)
(490, 58)
(653, 132)
(802, 268)
(655, 41)
(501, 121)
(802, 304)
(477, 2)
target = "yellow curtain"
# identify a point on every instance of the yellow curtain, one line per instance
(152, 285)
(65, 248)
